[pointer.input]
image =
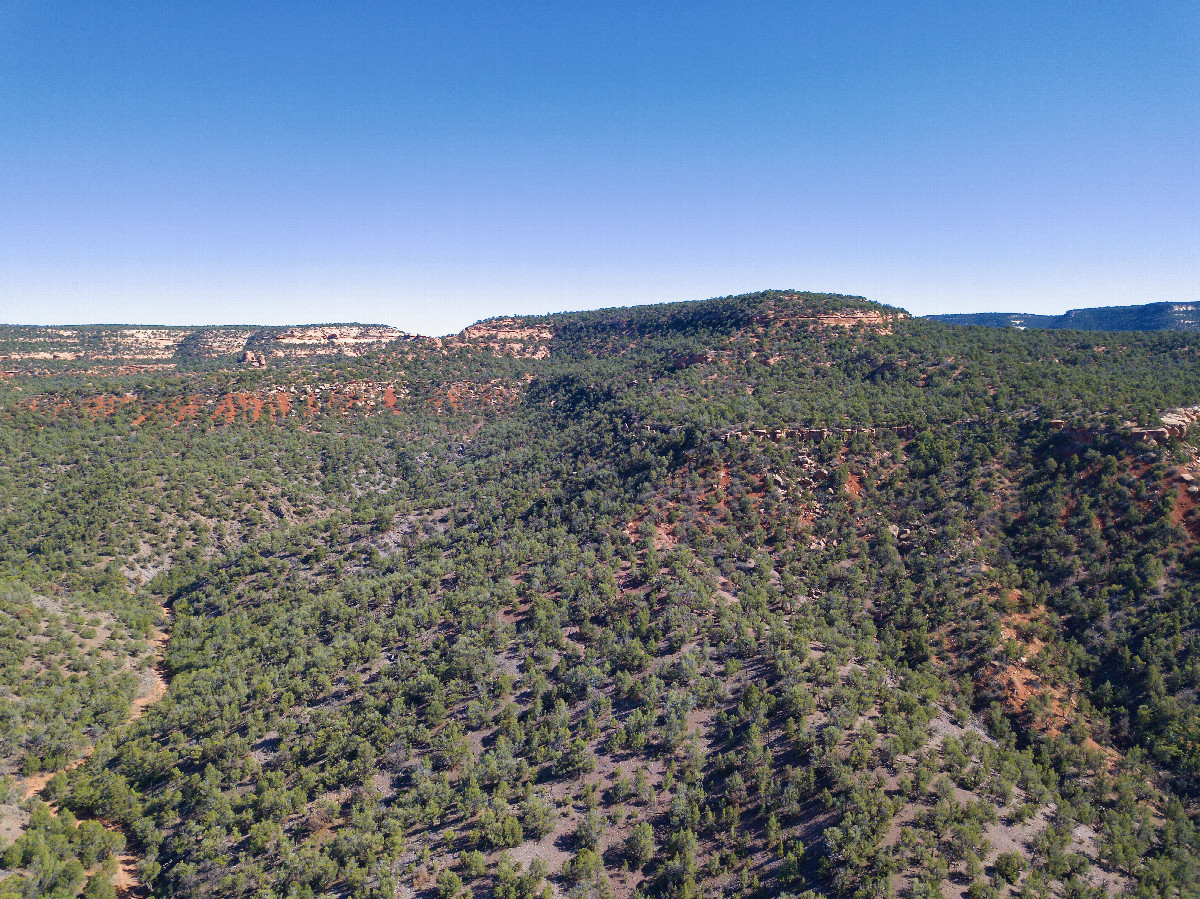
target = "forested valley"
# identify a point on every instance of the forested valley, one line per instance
(774, 595)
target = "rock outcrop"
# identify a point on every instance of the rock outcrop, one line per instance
(1181, 422)
(1176, 424)
(777, 435)
(507, 337)
(212, 342)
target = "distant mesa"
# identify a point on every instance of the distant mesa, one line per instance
(1148, 317)
(300, 340)
(533, 337)
(123, 344)
(132, 349)
(98, 342)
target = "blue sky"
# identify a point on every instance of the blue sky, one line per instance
(430, 164)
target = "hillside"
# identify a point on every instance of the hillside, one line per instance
(779, 594)
(1148, 317)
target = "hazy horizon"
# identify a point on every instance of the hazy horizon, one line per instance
(432, 165)
(359, 322)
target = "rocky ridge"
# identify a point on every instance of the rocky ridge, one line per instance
(22, 345)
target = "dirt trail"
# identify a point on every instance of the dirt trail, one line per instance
(35, 783)
(126, 880)
(153, 688)
(157, 688)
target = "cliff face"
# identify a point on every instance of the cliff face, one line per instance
(1181, 422)
(877, 321)
(509, 337)
(323, 339)
(1176, 425)
(20, 346)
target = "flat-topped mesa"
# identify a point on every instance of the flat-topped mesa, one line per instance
(161, 344)
(508, 337)
(100, 342)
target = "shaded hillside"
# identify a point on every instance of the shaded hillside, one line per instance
(763, 595)
(1150, 317)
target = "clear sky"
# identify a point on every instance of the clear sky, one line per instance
(429, 164)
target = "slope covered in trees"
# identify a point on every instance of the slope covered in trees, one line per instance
(771, 594)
